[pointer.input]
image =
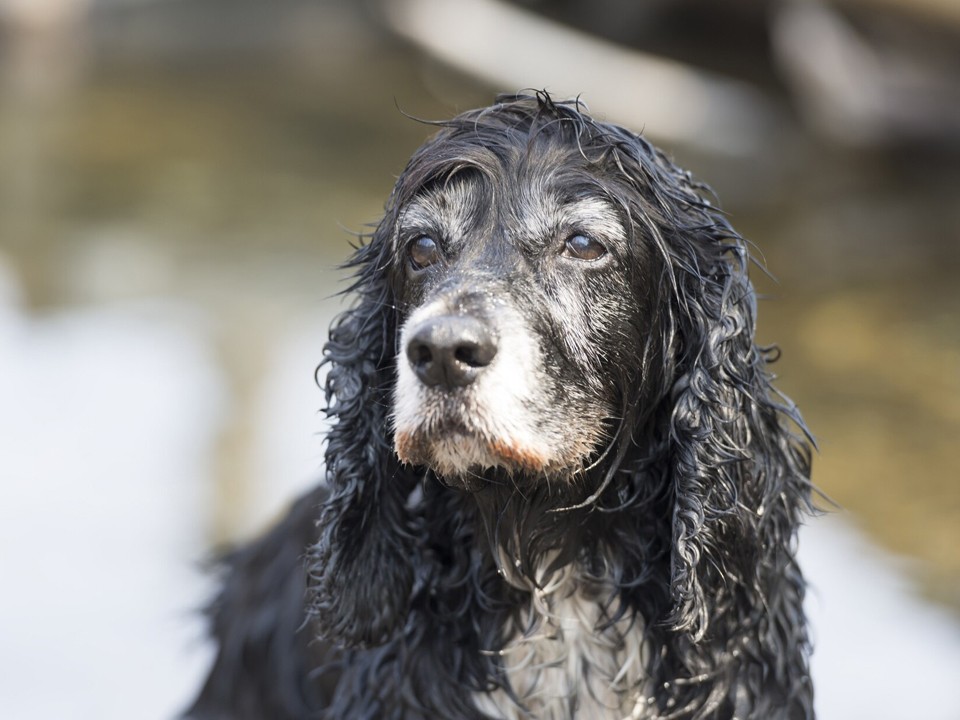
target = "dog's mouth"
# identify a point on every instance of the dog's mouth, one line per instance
(463, 439)
(457, 452)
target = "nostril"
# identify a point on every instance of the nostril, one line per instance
(420, 354)
(476, 354)
(466, 354)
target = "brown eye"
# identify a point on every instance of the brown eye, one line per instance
(423, 252)
(582, 247)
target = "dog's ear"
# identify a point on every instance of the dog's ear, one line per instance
(739, 470)
(361, 569)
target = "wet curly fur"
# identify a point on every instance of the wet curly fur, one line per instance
(642, 566)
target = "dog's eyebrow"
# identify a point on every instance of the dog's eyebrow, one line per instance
(563, 214)
(448, 209)
(594, 214)
(419, 213)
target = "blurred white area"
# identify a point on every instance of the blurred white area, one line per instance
(107, 420)
(110, 417)
(289, 426)
(880, 652)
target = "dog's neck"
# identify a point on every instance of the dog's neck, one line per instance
(569, 642)
(570, 650)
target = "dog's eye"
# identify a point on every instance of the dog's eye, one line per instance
(582, 247)
(423, 252)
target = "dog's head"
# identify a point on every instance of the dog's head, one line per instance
(546, 297)
(523, 297)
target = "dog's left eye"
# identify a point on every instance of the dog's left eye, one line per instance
(582, 247)
(423, 252)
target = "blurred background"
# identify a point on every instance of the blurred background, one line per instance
(180, 178)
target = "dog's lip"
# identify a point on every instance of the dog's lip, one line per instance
(450, 427)
(416, 446)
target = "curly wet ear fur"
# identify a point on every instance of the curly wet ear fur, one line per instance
(735, 453)
(739, 472)
(732, 454)
(360, 571)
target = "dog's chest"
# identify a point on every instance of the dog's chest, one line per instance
(564, 659)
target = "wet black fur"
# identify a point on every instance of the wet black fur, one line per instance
(691, 514)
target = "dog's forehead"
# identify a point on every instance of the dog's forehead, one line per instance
(530, 195)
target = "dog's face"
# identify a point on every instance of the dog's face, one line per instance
(517, 285)
(554, 316)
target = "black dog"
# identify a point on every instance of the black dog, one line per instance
(559, 482)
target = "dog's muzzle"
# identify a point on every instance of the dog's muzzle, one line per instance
(449, 351)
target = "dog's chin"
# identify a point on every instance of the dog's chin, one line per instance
(468, 459)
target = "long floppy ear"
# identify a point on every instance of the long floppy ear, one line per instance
(361, 570)
(740, 473)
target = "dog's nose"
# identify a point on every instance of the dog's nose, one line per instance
(450, 350)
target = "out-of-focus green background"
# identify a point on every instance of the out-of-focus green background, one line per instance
(179, 179)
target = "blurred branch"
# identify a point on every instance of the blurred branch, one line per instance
(947, 11)
(512, 49)
(863, 89)
(867, 73)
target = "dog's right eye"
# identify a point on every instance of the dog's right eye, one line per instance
(583, 247)
(423, 252)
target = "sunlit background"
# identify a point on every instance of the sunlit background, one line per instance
(180, 178)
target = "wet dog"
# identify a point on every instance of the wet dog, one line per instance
(559, 481)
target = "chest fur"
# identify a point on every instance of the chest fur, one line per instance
(564, 658)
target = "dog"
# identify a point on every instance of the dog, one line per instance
(559, 481)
